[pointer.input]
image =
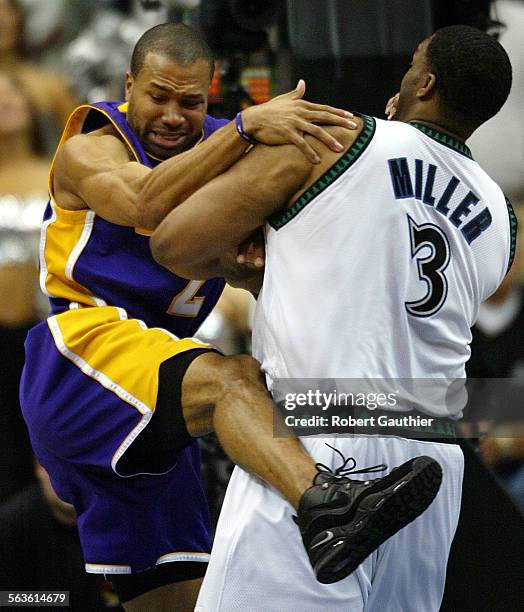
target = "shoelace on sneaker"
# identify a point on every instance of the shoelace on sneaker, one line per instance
(343, 471)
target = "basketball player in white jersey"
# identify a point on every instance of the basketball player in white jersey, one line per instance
(376, 263)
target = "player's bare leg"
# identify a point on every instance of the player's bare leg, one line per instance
(341, 520)
(176, 597)
(227, 395)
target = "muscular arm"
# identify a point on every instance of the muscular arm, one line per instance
(195, 237)
(95, 170)
(222, 214)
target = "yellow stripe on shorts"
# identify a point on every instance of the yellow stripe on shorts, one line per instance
(122, 354)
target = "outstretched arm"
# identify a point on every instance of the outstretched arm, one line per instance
(94, 171)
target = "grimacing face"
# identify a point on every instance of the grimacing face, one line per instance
(412, 80)
(167, 104)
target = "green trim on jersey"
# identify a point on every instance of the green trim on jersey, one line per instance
(280, 218)
(513, 228)
(444, 139)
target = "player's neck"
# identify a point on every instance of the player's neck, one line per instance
(440, 128)
(434, 122)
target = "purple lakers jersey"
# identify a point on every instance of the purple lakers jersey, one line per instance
(88, 261)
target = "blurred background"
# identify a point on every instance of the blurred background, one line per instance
(55, 54)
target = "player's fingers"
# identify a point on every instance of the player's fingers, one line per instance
(389, 103)
(251, 251)
(393, 98)
(257, 252)
(299, 141)
(325, 108)
(295, 94)
(328, 118)
(257, 262)
(321, 134)
(253, 261)
(391, 106)
(299, 90)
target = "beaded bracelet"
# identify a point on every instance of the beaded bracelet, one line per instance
(240, 130)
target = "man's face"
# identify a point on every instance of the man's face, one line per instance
(167, 104)
(414, 78)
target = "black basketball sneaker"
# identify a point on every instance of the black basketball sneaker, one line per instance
(342, 520)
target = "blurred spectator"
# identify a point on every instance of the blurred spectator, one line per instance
(23, 195)
(99, 55)
(43, 24)
(506, 457)
(497, 351)
(96, 60)
(484, 572)
(499, 145)
(49, 92)
(40, 549)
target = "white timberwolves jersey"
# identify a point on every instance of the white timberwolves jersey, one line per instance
(379, 268)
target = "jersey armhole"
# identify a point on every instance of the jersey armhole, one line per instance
(513, 231)
(280, 218)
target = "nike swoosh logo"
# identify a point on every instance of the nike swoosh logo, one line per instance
(329, 536)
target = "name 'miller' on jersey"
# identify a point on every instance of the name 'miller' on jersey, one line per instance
(377, 270)
(451, 202)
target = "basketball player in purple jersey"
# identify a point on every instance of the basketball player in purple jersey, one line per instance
(113, 398)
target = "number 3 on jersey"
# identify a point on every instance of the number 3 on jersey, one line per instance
(431, 267)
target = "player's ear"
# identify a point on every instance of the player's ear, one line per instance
(128, 85)
(427, 86)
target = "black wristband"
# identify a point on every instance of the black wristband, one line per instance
(240, 130)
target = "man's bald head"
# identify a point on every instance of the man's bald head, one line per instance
(174, 41)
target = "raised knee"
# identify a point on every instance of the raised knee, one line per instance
(224, 377)
(239, 369)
